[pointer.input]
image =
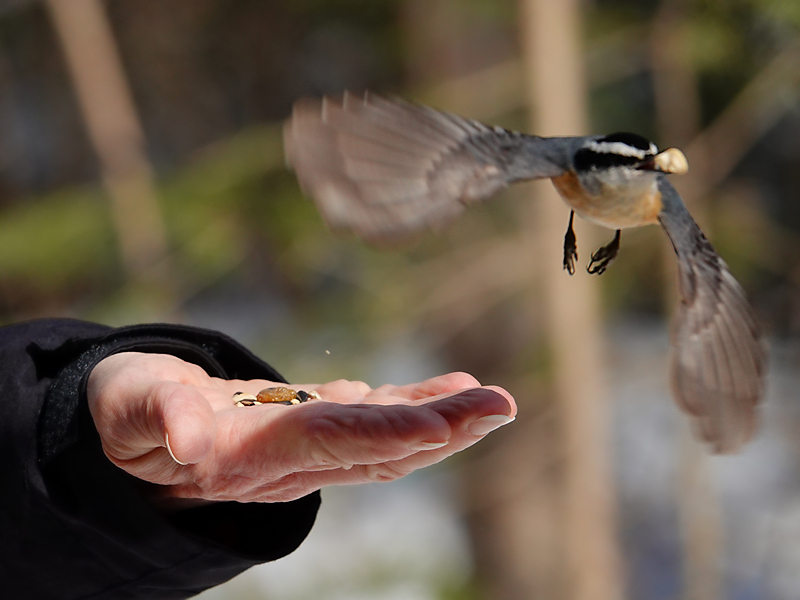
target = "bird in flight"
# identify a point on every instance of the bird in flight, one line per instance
(387, 170)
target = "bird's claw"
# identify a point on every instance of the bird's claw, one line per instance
(570, 256)
(604, 256)
(599, 263)
(570, 248)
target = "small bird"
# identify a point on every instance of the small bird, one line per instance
(387, 169)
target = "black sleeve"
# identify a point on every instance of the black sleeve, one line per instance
(73, 525)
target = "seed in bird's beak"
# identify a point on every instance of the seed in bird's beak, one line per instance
(671, 161)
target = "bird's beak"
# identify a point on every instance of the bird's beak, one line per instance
(671, 161)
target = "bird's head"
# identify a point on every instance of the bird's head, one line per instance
(625, 158)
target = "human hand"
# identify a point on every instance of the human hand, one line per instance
(144, 403)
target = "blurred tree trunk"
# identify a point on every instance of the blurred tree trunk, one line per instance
(551, 35)
(115, 132)
(510, 493)
(678, 120)
(540, 501)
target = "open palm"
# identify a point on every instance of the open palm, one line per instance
(142, 403)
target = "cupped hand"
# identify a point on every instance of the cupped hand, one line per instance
(168, 422)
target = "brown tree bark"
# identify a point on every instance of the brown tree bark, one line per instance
(551, 35)
(114, 130)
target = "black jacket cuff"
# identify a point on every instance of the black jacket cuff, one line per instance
(86, 519)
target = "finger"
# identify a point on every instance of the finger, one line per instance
(435, 386)
(342, 390)
(467, 405)
(471, 414)
(324, 435)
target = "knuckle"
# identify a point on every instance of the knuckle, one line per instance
(384, 472)
(362, 387)
(462, 379)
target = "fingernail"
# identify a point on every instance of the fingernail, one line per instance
(166, 442)
(420, 446)
(484, 425)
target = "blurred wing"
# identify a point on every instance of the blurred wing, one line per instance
(388, 169)
(719, 359)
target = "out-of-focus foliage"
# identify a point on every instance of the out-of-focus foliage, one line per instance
(230, 208)
(322, 46)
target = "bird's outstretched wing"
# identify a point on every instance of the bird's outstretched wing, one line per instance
(387, 169)
(718, 357)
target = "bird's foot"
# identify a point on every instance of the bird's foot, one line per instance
(604, 256)
(570, 247)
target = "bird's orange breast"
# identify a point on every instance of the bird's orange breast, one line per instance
(615, 207)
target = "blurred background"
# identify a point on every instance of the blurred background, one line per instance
(142, 179)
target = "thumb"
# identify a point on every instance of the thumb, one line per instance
(183, 422)
(165, 414)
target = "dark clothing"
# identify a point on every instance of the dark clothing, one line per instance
(73, 525)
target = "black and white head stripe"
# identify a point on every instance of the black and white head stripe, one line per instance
(624, 144)
(617, 149)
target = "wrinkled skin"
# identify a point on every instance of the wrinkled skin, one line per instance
(275, 453)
